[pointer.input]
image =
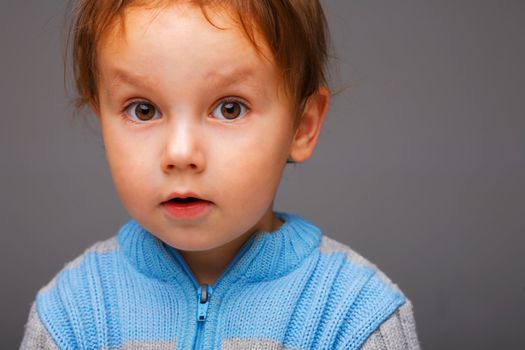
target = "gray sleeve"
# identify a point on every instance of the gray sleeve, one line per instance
(398, 332)
(36, 336)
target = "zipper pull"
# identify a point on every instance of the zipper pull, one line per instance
(202, 306)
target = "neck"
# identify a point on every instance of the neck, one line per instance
(207, 266)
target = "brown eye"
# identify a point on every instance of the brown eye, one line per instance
(230, 110)
(142, 111)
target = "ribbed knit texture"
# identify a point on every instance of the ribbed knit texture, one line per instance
(293, 288)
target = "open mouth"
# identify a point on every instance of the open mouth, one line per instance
(187, 207)
(187, 200)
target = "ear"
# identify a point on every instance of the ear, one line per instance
(309, 127)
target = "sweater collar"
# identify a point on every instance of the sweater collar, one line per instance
(266, 256)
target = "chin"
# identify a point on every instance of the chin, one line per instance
(189, 245)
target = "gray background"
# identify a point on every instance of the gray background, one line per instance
(420, 166)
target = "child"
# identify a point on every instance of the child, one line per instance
(201, 104)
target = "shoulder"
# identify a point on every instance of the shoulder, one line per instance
(330, 247)
(380, 315)
(86, 263)
(70, 304)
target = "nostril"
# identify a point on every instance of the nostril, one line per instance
(170, 165)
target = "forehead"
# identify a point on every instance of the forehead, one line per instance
(169, 38)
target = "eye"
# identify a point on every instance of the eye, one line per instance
(142, 111)
(230, 109)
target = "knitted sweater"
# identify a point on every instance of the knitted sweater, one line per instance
(293, 288)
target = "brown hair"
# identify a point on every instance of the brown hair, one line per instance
(295, 31)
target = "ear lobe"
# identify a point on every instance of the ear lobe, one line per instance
(309, 127)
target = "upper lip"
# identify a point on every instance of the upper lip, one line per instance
(182, 195)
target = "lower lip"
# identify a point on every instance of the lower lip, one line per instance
(187, 211)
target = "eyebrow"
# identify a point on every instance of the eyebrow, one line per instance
(230, 76)
(222, 77)
(244, 75)
(119, 76)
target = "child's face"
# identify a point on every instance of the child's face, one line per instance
(186, 107)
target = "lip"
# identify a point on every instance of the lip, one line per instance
(186, 210)
(182, 195)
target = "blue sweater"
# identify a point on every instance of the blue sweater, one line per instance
(293, 288)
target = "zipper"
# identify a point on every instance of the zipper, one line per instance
(202, 306)
(205, 291)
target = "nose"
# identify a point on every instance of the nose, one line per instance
(183, 148)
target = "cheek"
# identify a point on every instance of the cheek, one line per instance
(128, 161)
(251, 163)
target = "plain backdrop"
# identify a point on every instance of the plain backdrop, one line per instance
(420, 166)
